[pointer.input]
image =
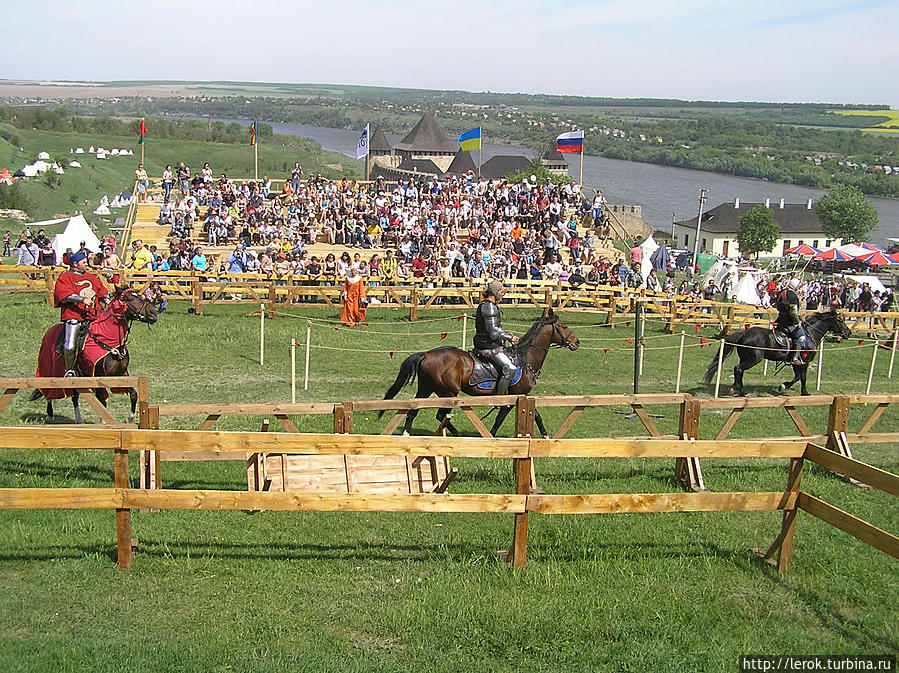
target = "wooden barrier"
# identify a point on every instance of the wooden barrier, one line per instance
(521, 504)
(614, 302)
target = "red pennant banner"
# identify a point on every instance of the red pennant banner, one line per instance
(459, 318)
(627, 324)
(697, 328)
(443, 335)
(391, 353)
(629, 341)
(605, 350)
(702, 341)
(336, 328)
(861, 341)
(364, 323)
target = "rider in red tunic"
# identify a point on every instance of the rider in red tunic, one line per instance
(75, 294)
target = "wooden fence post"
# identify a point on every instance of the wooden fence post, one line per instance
(525, 413)
(413, 304)
(518, 554)
(837, 422)
(272, 298)
(783, 545)
(672, 316)
(197, 296)
(687, 470)
(124, 551)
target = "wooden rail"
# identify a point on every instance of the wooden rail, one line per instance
(122, 498)
(614, 302)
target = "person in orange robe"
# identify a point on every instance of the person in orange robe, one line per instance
(352, 312)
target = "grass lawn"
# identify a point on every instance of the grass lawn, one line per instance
(275, 591)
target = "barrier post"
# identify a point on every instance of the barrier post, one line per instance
(893, 353)
(464, 330)
(873, 363)
(413, 304)
(638, 324)
(308, 342)
(261, 334)
(124, 551)
(518, 554)
(720, 364)
(788, 524)
(293, 370)
(672, 316)
(820, 363)
(687, 470)
(837, 421)
(525, 415)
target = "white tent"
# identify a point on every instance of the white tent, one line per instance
(43, 155)
(101, 155)
(91, 150)
(74, 164)
(76, 230)
(30, 171)
(746, 289)
(41, 166)
(59, 170)
(114, 152)
(79, 150)
(648, 247)
(872, 281)
(853, 250)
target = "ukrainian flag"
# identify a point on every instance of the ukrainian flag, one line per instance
(471, 140)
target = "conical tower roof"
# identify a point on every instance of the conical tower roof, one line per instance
(379, 141)
(427, 136)
(462, 163)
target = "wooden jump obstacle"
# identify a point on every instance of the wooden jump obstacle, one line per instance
(521, 503)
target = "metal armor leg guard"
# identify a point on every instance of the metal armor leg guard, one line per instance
(801, 343)
(70, 345)
(507, 371)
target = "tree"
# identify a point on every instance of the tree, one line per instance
(757, 231)
(846, 213)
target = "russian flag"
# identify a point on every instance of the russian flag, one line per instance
(573, 141)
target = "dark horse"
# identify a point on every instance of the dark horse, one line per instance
(105, 350)
(447, 371)
(757, 344)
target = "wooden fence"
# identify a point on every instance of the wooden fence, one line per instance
(615, 303)
(521, 503)
(837, 435)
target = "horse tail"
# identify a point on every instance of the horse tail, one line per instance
(35, 395)
(729, 344)
(408, 371)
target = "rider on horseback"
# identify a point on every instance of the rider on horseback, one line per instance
(74, 295)
(788, 321)
(490, 335)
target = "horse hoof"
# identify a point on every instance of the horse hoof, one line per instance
(781, 387)
(405, 433)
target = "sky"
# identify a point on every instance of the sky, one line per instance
(833, 51)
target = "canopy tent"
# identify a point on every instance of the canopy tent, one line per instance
(724, 273)
(74, 164)
(853, 250)
(803, 250)
(79, 150)
(43, 155)
(877, 258)
(868, 246)
(833, 255)
(76, 231)
(6, 176)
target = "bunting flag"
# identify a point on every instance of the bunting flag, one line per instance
(253, 134)
(391, 353)
(697, 328)
(143, 132)
(573, 141)
(471, 140)
(605, 350)
(629, 341)
(362, 145)
(702, 342)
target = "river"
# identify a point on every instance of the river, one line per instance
(663, 191)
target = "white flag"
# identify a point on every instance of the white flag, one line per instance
(362, 145)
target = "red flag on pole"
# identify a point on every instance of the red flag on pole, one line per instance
(143, 132)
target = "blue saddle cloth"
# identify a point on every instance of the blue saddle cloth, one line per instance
(485, 374)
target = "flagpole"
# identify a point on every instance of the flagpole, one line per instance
(256, 157)
(581, 182)
(368, 152)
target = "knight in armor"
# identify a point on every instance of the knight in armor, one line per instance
(490, 337)
(788, 321)
(75, 294)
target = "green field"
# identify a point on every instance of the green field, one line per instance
(213, 591)
(890, 123)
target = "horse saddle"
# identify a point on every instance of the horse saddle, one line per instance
(783, 340)
(485, 374)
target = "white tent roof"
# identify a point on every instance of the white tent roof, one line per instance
(79, 150)
(648, 246)
(76, 230)
(872, 281)
(30, 171)
(43, 155)
(853, 250)
(746, 289)
(74, 164)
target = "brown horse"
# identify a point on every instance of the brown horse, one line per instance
(105, 350)
(447, 371)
